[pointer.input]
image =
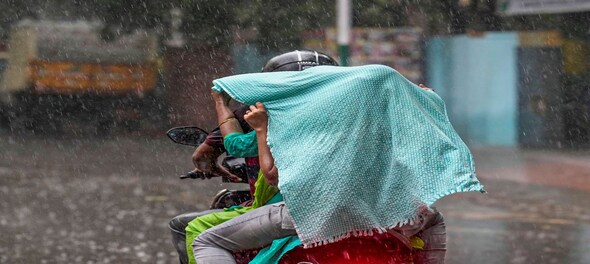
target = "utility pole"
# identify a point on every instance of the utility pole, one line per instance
(344, 24)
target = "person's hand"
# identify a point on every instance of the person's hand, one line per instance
(425, 88)
(223, 172)
(205, 161)
(214, 170)
(204, 157)
(220, 98)
(272, 180)
(257, 117)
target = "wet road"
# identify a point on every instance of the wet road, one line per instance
(535, 211)
(109, 201)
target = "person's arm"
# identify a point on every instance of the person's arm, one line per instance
(257, 118)
(205, 160)
(231, 130)
(267, 162)
(226, 119)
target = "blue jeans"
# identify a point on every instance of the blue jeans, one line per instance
(261, 226)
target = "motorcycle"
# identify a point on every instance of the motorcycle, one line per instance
(386, 248)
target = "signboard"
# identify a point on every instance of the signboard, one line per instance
(524, 7)
(399, 48)
(69, 77)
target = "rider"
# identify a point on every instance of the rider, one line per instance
(205, 161)
(238, 144)
(271, 222)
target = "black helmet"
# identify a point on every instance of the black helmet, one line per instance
(298, 60)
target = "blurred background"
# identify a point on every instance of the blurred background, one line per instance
(89, 88)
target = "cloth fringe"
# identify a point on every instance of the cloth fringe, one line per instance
(363, 233)
(381, 230)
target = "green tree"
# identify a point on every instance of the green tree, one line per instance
(279, 23)
(208, 22)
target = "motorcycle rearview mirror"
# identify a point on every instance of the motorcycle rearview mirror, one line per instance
(191, 136)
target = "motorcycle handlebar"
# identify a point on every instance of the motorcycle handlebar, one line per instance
(195, 175)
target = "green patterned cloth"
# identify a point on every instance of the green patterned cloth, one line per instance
(358, 149)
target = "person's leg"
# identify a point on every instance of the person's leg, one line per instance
(434, 236)
(177, 226)
(252, 230)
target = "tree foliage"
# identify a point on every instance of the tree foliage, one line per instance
(278, 23)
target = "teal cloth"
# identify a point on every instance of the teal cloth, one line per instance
(241, 145)
(275, 199)
(273, 253)
(358, 149)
